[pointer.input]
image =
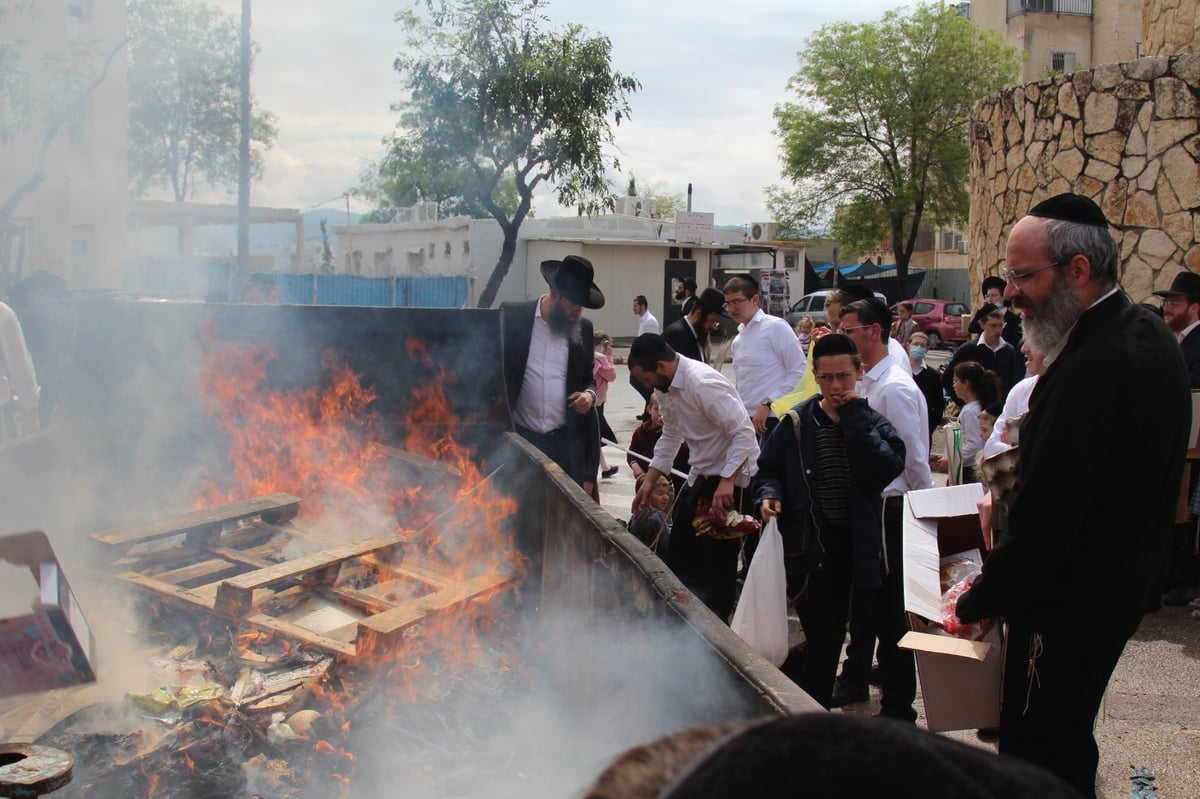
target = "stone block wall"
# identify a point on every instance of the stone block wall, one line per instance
(1170, 27)
(1127, 135)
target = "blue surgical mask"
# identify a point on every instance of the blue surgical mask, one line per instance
(916, 353)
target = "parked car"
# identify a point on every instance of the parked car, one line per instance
(814, 305)
(941, 320)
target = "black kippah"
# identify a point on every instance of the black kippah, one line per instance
(1071, 208)
(833, 344)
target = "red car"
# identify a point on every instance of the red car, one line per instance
(941, 320)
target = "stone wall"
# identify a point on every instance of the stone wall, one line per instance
(1126, 135)
(1170, 27)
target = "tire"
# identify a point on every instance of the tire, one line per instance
(935, 341)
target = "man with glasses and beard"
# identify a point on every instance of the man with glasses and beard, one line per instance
(1101, 457)
(548, 368)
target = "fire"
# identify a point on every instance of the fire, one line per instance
(327, 444)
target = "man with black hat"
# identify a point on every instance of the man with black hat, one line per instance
(1101, 458)
(1181, 311)
(993, 295)
(548, 368)
(689, 336)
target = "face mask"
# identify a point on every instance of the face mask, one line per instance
(916, 353)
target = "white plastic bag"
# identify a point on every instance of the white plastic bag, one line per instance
(761, 615)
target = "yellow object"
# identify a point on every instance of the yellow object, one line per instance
(178, 697)
(806, 388)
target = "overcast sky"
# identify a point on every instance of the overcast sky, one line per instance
(711, 71)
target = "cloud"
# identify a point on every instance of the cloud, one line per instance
(711, 72)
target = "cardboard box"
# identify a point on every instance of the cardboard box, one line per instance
(960, 679)
(51, 646)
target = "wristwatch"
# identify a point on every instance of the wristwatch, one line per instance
(767, 402)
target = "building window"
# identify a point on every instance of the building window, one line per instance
(432, 250)
(81, 253)
(1062, 62)
(466, 247)
(76, 128)
(447, 250)
(80, 10)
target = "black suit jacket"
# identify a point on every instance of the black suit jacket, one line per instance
(1007, 362)
(1191, 355)
(1098, 476)
(681, 338)
(583, 429)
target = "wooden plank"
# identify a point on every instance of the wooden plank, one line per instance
(289, 630)
(273, 508)
(234, 595)
(194, 597)
(226, 560)
(385, 627)
(414, 459)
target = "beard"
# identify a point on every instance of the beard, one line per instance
(1050, 323)
(558, 321)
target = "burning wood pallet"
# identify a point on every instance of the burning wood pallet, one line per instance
(351, 600)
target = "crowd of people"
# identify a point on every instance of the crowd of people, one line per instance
(1085, 547)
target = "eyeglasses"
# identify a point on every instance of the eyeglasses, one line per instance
(847, 329)
(841, 377)
(1020, 277)
(1175, 301)
(735, 302)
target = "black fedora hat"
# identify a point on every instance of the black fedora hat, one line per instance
(1185, 283)
(573, 278)
(712, 300)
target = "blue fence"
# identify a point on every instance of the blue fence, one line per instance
(211, 280)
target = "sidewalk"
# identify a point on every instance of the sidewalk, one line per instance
(1151, 715)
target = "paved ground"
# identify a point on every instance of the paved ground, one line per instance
(1151, 716)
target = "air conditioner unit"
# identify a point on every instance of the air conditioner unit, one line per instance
(962, 247)
(762, 231)
(626, 206)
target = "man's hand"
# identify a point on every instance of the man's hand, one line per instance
(582, 401)
(838, 400)
(770, 508)
(723, 498)
(760, 419)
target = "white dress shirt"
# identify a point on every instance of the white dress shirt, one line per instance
(1016, 404)
(542, 406)
(897, 351)
(648, 324)
(18, 381)
(889, 389)
(703, 409)
(767, 360)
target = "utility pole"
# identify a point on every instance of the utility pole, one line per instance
(243, 209)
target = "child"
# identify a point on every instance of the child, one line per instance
(650, 525)
(604, 372)
(822, 472)
(804, 329)
(987, 419)
(646, 436)
(978, 388)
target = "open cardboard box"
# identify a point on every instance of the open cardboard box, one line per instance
(50, 645)
(960, 679)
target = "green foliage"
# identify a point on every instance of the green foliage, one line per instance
(407, 175)
(497, 98)
(877, 136)
(184, 98)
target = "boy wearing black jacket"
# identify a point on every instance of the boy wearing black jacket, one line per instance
(822, 472)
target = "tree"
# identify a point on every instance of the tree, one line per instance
(407, 174)
(184, 98)
(494, 94)
(878, 135)
(66, 77)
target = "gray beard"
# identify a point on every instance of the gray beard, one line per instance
(1047, 329)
